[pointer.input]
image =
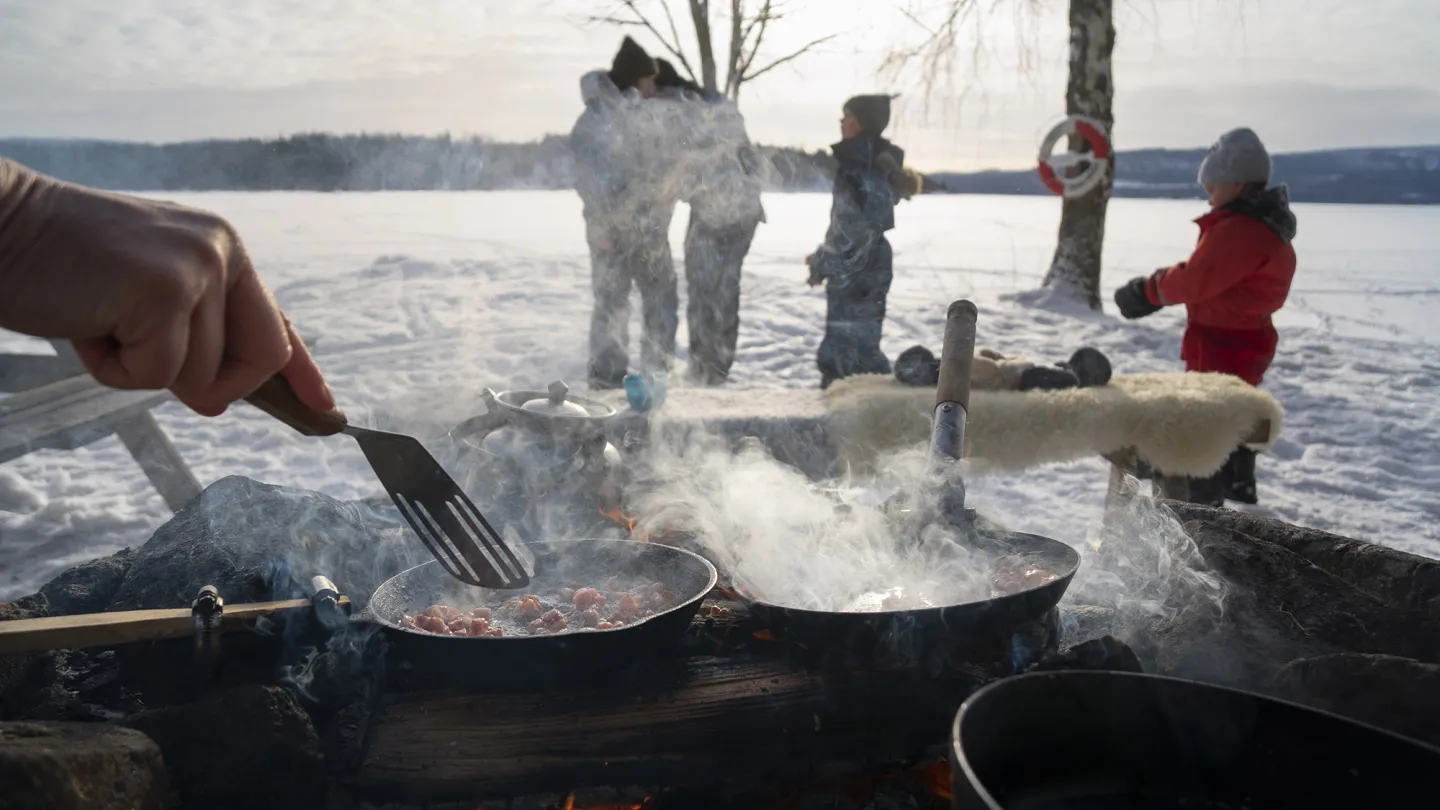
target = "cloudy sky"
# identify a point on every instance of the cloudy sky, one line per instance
(1307, 74)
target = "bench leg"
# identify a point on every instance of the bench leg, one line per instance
(1121, 490)
(159, 459)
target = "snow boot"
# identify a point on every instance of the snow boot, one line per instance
(1240, 477)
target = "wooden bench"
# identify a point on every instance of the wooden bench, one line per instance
(55, 405)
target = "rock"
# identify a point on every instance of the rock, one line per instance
(1397, 694)
(250, 747)
(88, 588)
(256, 542)
(14, 667)
(1106, 653)
(1279, 607)
(79, 766)
(1395, 577)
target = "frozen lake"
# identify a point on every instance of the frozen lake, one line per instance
(403, 294)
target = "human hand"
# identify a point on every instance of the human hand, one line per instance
(153, 295)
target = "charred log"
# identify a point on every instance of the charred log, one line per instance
(748, 723)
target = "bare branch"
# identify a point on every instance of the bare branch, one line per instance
(793, 56)
(675, 32)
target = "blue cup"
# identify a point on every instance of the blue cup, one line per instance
(645, 391)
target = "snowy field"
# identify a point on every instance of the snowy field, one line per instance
(414, 302)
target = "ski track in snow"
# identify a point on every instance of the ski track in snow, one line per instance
(415, 302)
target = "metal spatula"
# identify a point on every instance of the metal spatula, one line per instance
(451, 527)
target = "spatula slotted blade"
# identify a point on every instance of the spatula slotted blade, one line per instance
(447, 522)
(457, 535)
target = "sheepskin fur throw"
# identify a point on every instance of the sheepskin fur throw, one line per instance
(1182, 424)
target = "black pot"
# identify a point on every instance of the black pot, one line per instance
(1081, 740)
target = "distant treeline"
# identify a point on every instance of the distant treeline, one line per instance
(323, 162)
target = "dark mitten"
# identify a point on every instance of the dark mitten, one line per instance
(1045, 378)
(1133, 302)
(1090, 366)
(917, 366)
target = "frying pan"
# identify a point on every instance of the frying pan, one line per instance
(1079, 740)
(558, 564)
(910, 633)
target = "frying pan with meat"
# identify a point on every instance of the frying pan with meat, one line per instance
(1125, 741)
(1027, 574)
(670, 584)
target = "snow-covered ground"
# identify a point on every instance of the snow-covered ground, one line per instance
(415, 301)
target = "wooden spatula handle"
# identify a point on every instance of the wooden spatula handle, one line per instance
(278, 399)
(958, 355)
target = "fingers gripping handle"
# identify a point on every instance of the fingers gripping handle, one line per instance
(278, 399)
(957, 355)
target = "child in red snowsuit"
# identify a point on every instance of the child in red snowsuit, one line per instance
(1238, 276)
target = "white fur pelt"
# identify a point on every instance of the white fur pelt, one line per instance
(1182, 424)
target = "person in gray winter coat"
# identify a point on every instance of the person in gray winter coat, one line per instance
(720, 180)
(855, 261)
(627, 213)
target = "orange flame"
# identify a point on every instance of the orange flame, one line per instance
(628, 522)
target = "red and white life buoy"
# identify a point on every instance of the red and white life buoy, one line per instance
(1054, 169)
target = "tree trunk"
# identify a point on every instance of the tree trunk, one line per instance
(1076, 267)
(700, 15)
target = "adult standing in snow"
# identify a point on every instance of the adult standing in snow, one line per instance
(627, 216)
(720, 181)
(1237, 278)
(152, 295)
(855, 261)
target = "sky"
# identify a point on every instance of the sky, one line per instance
(1305, 74)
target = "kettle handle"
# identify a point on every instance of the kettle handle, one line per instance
(479, 426)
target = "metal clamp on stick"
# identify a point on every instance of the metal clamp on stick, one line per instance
(206, 612)
(325, 599)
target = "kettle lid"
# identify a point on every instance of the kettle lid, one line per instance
(555, 404)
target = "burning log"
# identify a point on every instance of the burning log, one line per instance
(742, 722)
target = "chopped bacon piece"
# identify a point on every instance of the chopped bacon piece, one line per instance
(586, 598)
(589, 617)
(482, 613)
(627, 606)
(529, 608)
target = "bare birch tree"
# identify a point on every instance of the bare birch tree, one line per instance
(1075, 268)
(748, 22)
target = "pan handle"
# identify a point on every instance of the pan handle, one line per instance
(277, 398)
(957, 355)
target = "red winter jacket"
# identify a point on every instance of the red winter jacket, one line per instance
(1238, 276)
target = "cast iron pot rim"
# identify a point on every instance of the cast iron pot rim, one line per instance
(692, 600)
(983, 791)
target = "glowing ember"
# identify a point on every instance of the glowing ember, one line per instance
(571, 804)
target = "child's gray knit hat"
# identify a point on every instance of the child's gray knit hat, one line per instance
(1238, 157)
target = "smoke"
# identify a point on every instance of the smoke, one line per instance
(1137, 570)
(782, 539)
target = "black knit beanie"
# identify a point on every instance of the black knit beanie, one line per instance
(631, 65)
(668, 76)
(872, 111)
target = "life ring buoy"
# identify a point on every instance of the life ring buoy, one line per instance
(1054, 169)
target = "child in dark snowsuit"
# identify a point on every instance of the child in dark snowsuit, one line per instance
(855, 261)
(1238, 276)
